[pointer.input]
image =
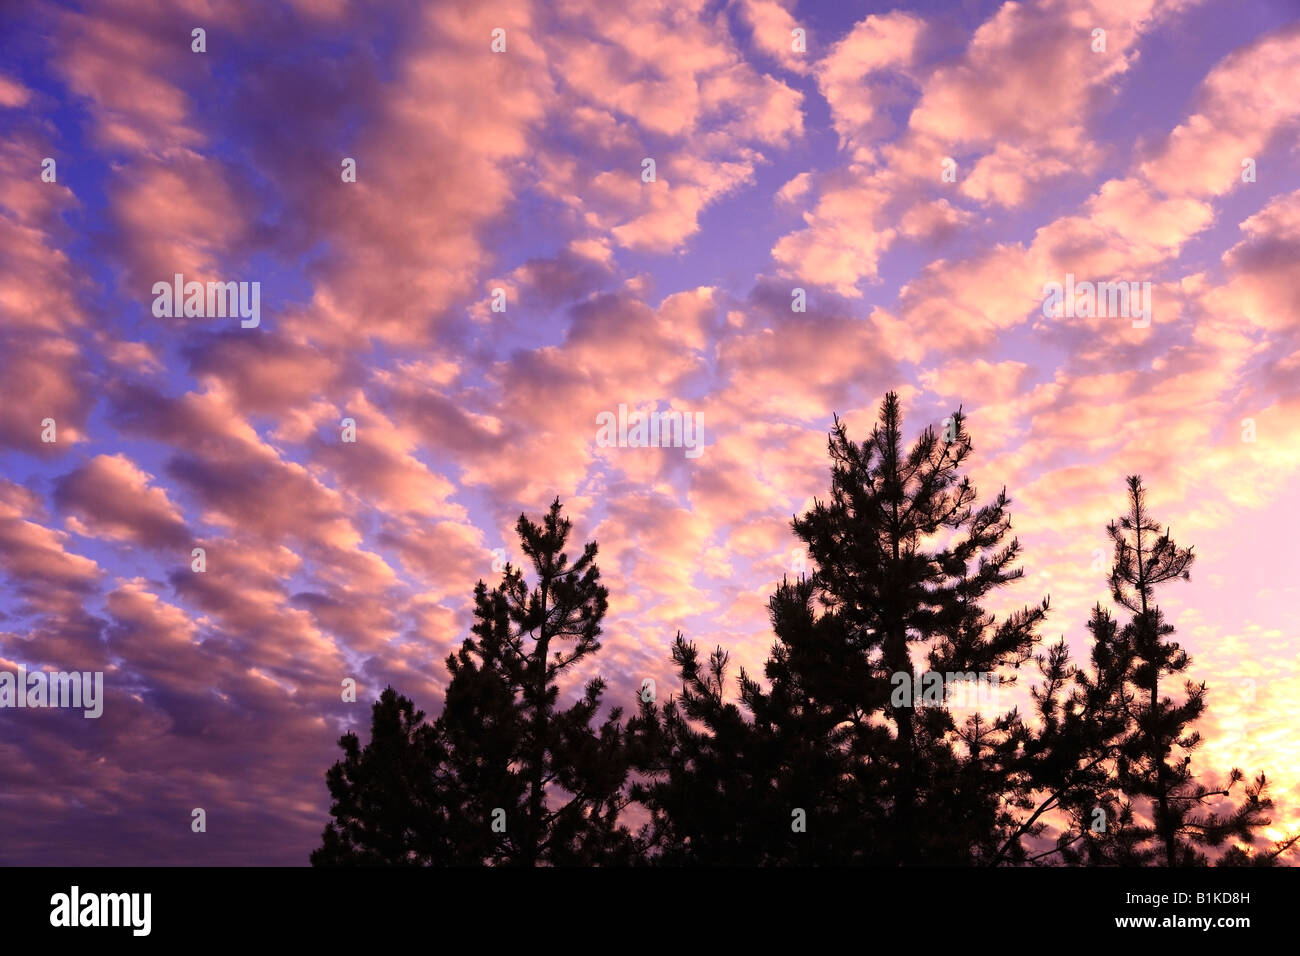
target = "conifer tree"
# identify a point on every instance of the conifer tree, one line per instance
(551, 777)
(772, 788)
(385, 807)
(1059, 772)
(1160, 812)
(903, 561)
(505, 776)
(480, 732)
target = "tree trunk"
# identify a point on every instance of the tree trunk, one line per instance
(535, 802)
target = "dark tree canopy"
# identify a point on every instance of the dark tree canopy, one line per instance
(385, 807)
(903, 559)
(1159, 813)
(505, 776)
(846, 751)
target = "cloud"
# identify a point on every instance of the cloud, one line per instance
(328, 559)
(112, 498)
(1246, 103)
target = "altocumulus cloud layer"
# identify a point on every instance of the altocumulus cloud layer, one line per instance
(522, 171)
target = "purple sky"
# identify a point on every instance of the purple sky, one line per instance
(522, 170)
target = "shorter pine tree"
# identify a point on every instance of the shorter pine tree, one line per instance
(1157, 811)
(505, 776)
(386, 809)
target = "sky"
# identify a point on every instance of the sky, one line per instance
(921, 172)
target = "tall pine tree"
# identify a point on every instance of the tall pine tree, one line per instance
(903, 561)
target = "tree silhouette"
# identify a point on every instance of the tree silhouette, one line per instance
(1055, 770)
(1150, 734)
(385, 810)
(869, 767)
(480, 732)
(559, 754)
(824, 762)
(882, 568)
(726, 789)
(504, 776)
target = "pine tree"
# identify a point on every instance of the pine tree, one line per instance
(504, 776)
(874, 770)
(772, 788)
(479, 732)
(705, 770)
(385, 807)
(883, 567)
(1145, 558)
(550, 776)
(1059, 772)
(1157, 811)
